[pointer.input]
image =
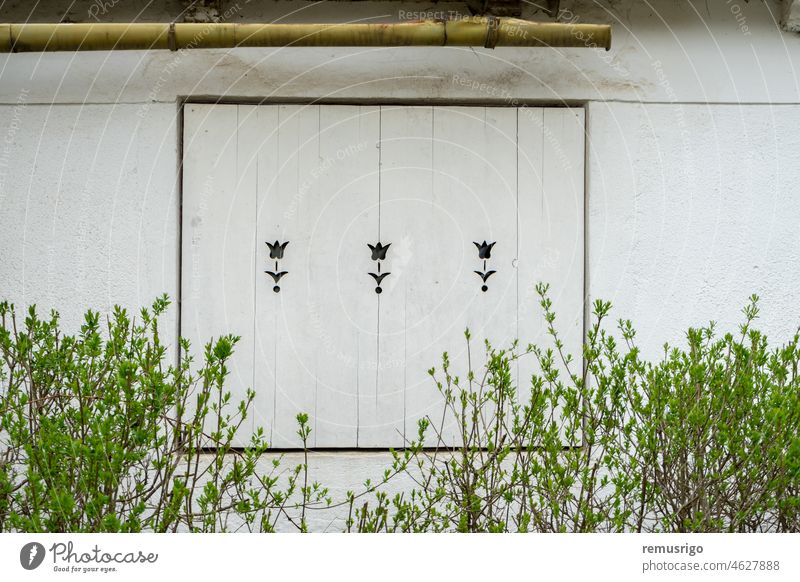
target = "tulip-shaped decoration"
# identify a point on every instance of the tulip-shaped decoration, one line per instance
(484, 249)
(276, 249)
(379, 251)
(379, 254)
(484, 254)
(276, 252)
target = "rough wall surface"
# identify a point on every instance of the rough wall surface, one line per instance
(691, 159)
(691, 209)
(88, 206)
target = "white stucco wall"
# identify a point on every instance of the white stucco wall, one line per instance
(88, 206)
(691, 209)
(691, 173)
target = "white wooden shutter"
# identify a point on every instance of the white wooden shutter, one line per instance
(429, 181)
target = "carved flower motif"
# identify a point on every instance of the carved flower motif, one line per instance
(379, 251)
(276, 249)
(484, 249)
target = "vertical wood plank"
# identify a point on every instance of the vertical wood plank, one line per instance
(565, 202)
(531, 222)
(218, 233)
(344, 307)
(474, 160)
(405, 192)
(266, 312)
(285, 369)
(551, 181)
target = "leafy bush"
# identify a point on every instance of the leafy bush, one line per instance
(705, 439)
(99, 433)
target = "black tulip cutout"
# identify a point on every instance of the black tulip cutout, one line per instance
(276, 249)
(276, 252)
(484, 253)
(484, 249)
(379, 251)
(379, 254)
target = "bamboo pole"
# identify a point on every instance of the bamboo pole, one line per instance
(485, 32)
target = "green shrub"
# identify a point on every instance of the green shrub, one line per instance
(705, 439)
(98, 432)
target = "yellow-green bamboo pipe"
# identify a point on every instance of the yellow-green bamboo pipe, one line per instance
(485, 32)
